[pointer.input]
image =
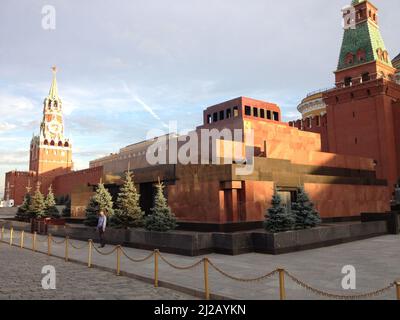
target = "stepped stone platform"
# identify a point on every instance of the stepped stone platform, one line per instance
(191, 243)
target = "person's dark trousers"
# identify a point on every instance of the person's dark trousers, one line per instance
(101, 236)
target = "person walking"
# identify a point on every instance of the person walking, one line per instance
(101, 227)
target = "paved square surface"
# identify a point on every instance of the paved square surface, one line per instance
(21, 279)
(376, 260)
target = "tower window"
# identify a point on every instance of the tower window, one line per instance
(221, 115)
(365, 77)
(215, 117)
(276, 116)
(255, 112)
(46, 143)
(209, 118)
(52, 143)
(228, 113)
(262, 113)
(349, 58)
(247, 111)
(348, 81)
(60, 143)
(235, 112)
(269, 115)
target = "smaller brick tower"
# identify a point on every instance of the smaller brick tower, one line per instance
(50, 151)
(363, 111)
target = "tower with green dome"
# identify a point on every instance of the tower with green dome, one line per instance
(363, 55)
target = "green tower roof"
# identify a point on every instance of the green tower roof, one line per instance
(365, 36)
(355, 2)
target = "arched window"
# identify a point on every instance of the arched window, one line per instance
(365, 77)
(46, 143)
(348, 81)
(52, 143)
(349, 58)
(361, 55)
(66, 144)
(60, 143)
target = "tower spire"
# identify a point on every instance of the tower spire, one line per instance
(53, 93)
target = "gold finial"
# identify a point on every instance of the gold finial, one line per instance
(54, 69)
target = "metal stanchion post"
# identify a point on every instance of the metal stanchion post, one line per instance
(22, 239)
(34, 241)
(49, 244)
(118, 259)
(282, 293)
(156, 268)
(11, 236)
(206, 284)
(90, 253)
(66, 248)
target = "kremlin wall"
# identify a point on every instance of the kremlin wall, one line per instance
(345, 151)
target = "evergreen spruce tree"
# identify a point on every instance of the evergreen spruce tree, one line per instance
(38, 204)
(277, 218)
(66, 212)
(23, 210)
(161, 217)
(305, 214)
(128, 212)
(51, 209)
(92, 211)
(101, 200)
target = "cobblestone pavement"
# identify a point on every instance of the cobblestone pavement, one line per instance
(21, 279)
(376, 261)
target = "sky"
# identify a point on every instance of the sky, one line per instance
(128, 66)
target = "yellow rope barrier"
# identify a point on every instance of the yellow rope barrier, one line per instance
(206, 263)
(263, 277)
(339, 296)
(180, 267)
(136, 260)
(41, 241)
(105, 253)
(78, 247)
(57, 242)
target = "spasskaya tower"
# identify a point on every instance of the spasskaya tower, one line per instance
(50, 151)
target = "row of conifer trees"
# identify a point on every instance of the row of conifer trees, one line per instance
(38, 206)
(301, 215)
(127, 212)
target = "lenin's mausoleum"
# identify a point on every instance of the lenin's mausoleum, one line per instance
(345, 151)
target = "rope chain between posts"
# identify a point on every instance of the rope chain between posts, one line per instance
(77, 247)
(263, 277)
(180, 267)
(136, 260)
(105, 253)
(58, 242)
(338, 296)
(38, 239)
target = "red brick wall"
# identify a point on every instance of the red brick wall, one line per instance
(362, 122)
(17, 181)
(66, 183)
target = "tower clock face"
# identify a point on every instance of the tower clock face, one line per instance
(54, 127)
